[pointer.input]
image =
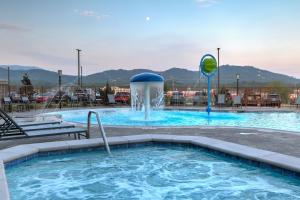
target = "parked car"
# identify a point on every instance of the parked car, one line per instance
(98, 98)
(82, 95)
(15, 98)
(200, 98)
(64, 97)
(122, 97)
(42, 98)
(177, 98)
(251, 100)
(272, 99)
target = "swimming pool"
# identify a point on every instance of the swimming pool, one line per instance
(146, 171)
(286, 121)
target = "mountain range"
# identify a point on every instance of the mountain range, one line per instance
(248, 75)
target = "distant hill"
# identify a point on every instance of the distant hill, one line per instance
(19, 67)
(228, 73)
(38, 77)
(248, 74)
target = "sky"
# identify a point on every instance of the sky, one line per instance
(152, 34)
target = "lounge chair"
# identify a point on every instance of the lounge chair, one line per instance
(26, 103)
(237, 101)
(111, 99)
(221, 99)
(7, 104)
(298, 101)
(10, 129)
(74, 101)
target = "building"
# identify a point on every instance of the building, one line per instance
(118, 89)
(3, 89)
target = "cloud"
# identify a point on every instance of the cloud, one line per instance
(207, 3)
(12, 27)
(91, 14)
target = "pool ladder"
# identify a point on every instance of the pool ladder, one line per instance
(100, 128)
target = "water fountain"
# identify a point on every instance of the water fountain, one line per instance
(208, 67)
(147, 91)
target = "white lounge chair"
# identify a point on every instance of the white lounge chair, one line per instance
(297, 101)
(221, 99)
(237, 101)
(111, 99)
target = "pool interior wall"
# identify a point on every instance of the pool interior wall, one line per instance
(142, 144)
(222, 155)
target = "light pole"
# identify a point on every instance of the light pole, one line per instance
(59, 85)
(81, 76)
(259, 80)
(218, 89)
(237, 84)
(8, 80)
(78, 59)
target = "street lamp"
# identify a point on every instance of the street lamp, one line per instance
(237, 84)
(59, 85)
(259, 80)
(78, 59)
(8, 80)
(81, 76)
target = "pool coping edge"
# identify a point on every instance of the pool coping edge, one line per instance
(282, 161)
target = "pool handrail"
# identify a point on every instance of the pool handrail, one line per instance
(103, 134)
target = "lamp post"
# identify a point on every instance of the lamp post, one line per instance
(81, 76)
(218, 89)
(8, 80)
(259, 80)
(59, 85)
(237, 84)
(78, 60)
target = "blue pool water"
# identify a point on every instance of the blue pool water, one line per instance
(287, 121)
(152, 171)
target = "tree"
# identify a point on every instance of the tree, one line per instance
(107, 90)
(281, 89)
(167, 86)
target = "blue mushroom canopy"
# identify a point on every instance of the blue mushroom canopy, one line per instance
(146, 77)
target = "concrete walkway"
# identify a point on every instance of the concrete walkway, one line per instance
(284, 143)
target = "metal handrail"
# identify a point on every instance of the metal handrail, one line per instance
(100, 128)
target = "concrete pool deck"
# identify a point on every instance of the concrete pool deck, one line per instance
(276, 141)
(266, 139)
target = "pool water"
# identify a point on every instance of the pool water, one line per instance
(286, 121)
(150, 171)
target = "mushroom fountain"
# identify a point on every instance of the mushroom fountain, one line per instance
(147, 92)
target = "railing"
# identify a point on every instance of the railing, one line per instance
(100, 128)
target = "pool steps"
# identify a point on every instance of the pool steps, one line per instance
(27, 151)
